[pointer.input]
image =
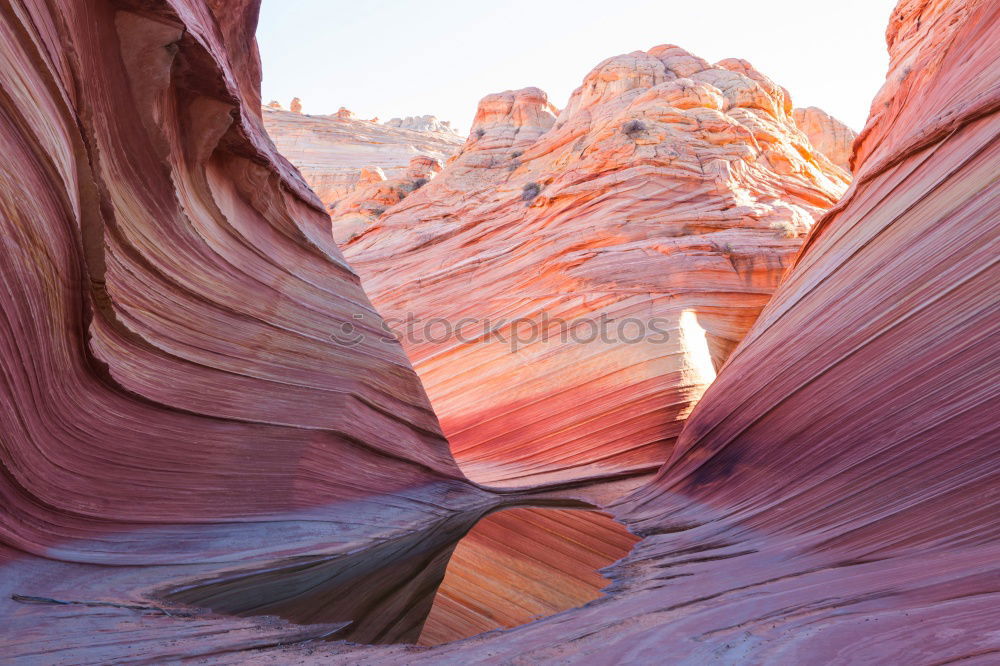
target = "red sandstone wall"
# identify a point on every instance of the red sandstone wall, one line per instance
(170, 289)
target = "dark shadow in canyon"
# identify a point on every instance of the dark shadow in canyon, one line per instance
(471, 573)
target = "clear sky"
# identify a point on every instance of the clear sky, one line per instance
(390, 58)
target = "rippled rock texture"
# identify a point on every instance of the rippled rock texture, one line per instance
(330, 151)
(173, 409)
(171, 394)
(634, 238)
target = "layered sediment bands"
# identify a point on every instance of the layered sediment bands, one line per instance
(829, 136)
(891, 306)
(832, 498)
(632, 241)
(374, 194)
(330, 151)
(170, 390)
(855, 426)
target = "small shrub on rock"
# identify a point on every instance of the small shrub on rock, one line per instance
(530, 191)
(633, 127)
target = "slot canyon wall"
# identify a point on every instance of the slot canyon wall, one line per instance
(654, 216)
(171, 397)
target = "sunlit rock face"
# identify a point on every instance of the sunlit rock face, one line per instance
(171, 392)
(827, 134)
(330, 151)
(426, 123)
(848, 448)
(374, 194)
(634, 236)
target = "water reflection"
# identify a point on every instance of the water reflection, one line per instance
(521, 564)
(466, 576)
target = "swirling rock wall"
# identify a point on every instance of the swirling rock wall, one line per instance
(832, 497)
(654, 217)
(170, 390)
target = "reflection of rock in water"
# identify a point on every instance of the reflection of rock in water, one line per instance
(512, 567)
(385, 591)
(517, 565)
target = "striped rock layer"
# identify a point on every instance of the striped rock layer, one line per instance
(171, 394)
(567, 286)
(833, 497)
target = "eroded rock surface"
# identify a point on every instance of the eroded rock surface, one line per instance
(427, 123)
(827, 134)
(833, 496)
(374, 194)
(330, 151)
(635, 237)
(172, 398)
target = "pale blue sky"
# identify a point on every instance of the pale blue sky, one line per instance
(411, 57)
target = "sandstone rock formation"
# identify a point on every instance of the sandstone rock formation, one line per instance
(426, 123)
(330, 152)
(172, 393)
(173, 411)
(344, 113)
(832, 499)
(274, 104)
(296, 105)
(654, 218)
(374, 193)
(827, 134)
